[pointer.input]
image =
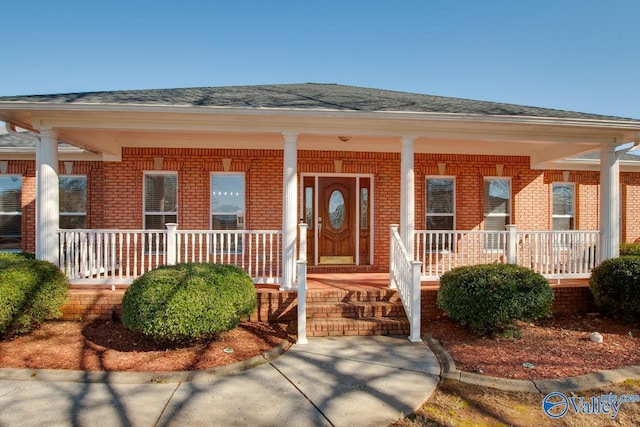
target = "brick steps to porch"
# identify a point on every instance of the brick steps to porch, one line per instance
(355, 312)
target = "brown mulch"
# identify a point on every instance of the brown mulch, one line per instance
(109, 346)
(557, 347)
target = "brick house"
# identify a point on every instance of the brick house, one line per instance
(238, 168)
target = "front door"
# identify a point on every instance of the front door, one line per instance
(337, 210)
(337, 220)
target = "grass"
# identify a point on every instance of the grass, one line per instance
(457, 404)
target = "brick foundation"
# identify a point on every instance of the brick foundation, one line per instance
(281, 307)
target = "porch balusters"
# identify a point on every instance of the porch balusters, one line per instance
(302, 285)
(119, 256)
(404, 275)
(554, 254)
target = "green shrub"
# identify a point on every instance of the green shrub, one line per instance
(489, 298)
(615, 285)
(31, 291)
(630, 249)
(188, 301)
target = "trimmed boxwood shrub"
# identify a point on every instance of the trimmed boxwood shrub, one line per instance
(615, 285)
(630, 249)
(188, 301)
(31, 291)
(490, 298)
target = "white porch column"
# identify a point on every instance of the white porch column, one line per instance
(407, 194)
(47, 205)
(609, 203)
(289, 210)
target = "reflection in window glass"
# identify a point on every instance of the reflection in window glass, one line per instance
(497, 209)
(228, 210)
(563, 206)
(308, 207)
(440, 203)
(73, 201)
(336, 209)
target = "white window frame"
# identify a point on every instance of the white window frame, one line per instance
(238, 248)
(15, 213)
(486, 215)
(426, 200)
(61, 213)
(146, 213)
(447, 246)
(573, 201)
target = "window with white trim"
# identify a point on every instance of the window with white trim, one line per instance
(10, 212)
(73, 201)
(497, 208)
(440, 210)
(160, 199)
(228, 209)
(564, 203)
(441, 203)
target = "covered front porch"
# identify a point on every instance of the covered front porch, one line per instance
(346, 162)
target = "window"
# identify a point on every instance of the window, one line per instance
(497, 209)
(440, 203)
(10, 212)
(73, 201)
(563, 213)
(440, 211)
(160, 200)
(227, 208)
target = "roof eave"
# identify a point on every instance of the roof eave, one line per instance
(622, 124)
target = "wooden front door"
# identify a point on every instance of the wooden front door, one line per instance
(337, 220)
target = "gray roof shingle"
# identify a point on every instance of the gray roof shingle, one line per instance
(307, 96)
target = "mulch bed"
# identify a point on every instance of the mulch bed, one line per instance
(557, 347)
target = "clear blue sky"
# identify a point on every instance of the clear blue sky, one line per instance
(581, 55)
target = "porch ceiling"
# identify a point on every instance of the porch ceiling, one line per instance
(106, 131)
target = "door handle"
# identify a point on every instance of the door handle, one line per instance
(319, 226)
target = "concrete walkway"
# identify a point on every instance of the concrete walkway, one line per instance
(345, 381)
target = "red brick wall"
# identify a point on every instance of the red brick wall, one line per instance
(115, 189)
(103, 303)
(281, 307)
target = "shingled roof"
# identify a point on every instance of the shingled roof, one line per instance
(307, 96)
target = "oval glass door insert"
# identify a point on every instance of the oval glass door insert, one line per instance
(336, 209)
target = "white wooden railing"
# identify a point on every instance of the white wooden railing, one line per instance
(302, 284)
(119, 256)
(404, 274)
(554, 254)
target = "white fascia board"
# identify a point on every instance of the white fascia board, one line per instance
(586, 165)
(12, 154)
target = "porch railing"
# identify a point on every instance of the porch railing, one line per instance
(404, 274)
(119, 256)
(554, 254)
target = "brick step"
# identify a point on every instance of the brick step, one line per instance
(363, 326)
(330, 295)
(355, 309)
